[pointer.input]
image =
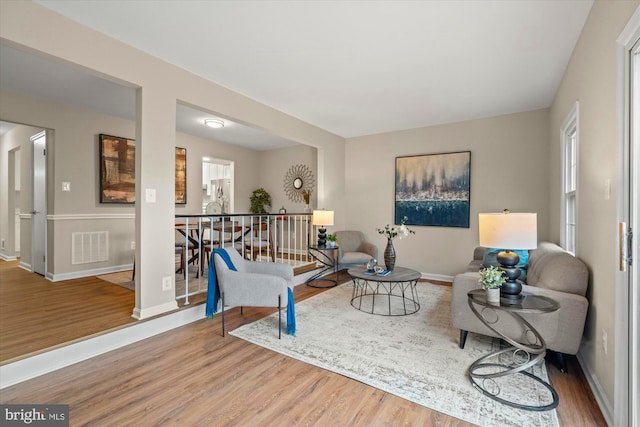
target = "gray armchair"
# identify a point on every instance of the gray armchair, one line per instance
(353, 248)
(254, 284)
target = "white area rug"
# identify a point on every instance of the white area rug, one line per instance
(415, 357)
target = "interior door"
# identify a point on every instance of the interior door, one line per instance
(39, 212)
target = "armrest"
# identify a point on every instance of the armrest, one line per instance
(369, 248)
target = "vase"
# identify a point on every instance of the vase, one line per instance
(390, 255)
(493, 296)
(307, 208)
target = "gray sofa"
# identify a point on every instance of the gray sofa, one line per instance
(551, 272)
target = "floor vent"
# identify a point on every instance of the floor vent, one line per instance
(89, 247)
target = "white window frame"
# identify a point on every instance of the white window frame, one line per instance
(570, 143)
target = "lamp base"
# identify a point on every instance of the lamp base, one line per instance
(322, 237)
(511, 289)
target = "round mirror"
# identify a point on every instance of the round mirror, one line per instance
(297, 183)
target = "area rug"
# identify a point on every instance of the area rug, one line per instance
(415, 357)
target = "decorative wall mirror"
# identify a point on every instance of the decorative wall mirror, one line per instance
(298, 179)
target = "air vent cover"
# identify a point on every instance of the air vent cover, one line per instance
(87, 247)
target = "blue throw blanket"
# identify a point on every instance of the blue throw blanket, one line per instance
(213, 292)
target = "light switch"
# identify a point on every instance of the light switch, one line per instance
(66, 186)
(150, 195)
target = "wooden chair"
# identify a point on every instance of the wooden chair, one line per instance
(259, 243)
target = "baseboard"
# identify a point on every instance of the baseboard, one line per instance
(89, 273)
(24, 266)
(8, 257)
(597, 390)
(146, 313)
(32, 367)
(439, 277)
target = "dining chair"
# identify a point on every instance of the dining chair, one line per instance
(260, 242)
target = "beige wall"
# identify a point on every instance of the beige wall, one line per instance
(159, 86)
(508, 170)
(274, 166)
(76, 161)
(592, 79)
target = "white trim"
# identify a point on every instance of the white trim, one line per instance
(31, 367)
(572, 120)
(25, 216)
(625, 393)
(598, 391)
(88, 273)
(156, 310)
(438, 277)
(73, 217)
(8, 257)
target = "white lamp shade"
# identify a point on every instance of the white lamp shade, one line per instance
(322, 217)
(508, 230)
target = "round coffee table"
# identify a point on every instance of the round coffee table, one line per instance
(391, 295)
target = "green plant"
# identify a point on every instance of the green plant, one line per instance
(492, 277)
(259, 199)
(331, 237)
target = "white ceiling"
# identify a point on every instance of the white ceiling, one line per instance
(358, 67)
(38, 77)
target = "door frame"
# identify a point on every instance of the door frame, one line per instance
(627, 353)
(35, 243)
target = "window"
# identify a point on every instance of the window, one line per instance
(569, 203)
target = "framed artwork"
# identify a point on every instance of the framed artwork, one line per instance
(433, 189)
(181, 176)
(118, 171)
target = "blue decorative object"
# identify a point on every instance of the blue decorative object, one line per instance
(291, 314)
(213, 291)
(490, 260)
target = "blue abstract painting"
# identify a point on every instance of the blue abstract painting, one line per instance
(433, 189)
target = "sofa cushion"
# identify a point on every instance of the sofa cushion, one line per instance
(551, 267)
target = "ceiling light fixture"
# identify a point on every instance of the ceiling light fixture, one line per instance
(214, 123)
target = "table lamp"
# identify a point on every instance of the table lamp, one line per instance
(509, 231)
(322, 218)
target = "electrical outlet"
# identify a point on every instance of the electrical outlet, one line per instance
(133, 246)
(604, 341)
(166, 283)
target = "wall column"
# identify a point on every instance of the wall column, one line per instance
(155, 224)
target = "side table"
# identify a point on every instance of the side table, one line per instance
(328, 257)
(485, 372)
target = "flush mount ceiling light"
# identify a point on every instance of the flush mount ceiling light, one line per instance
(214, 123)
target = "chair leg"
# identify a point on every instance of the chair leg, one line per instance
(183, 263)
(279, 317)
(463, 337)
(222, 311)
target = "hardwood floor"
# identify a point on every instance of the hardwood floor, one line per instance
(191, 376)
(36, 314)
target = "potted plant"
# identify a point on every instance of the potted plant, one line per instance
(491, 278)
(331, 240)
(259, 199)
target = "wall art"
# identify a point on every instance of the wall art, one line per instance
(433, 189)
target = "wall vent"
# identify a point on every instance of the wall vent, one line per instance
(89, 247)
